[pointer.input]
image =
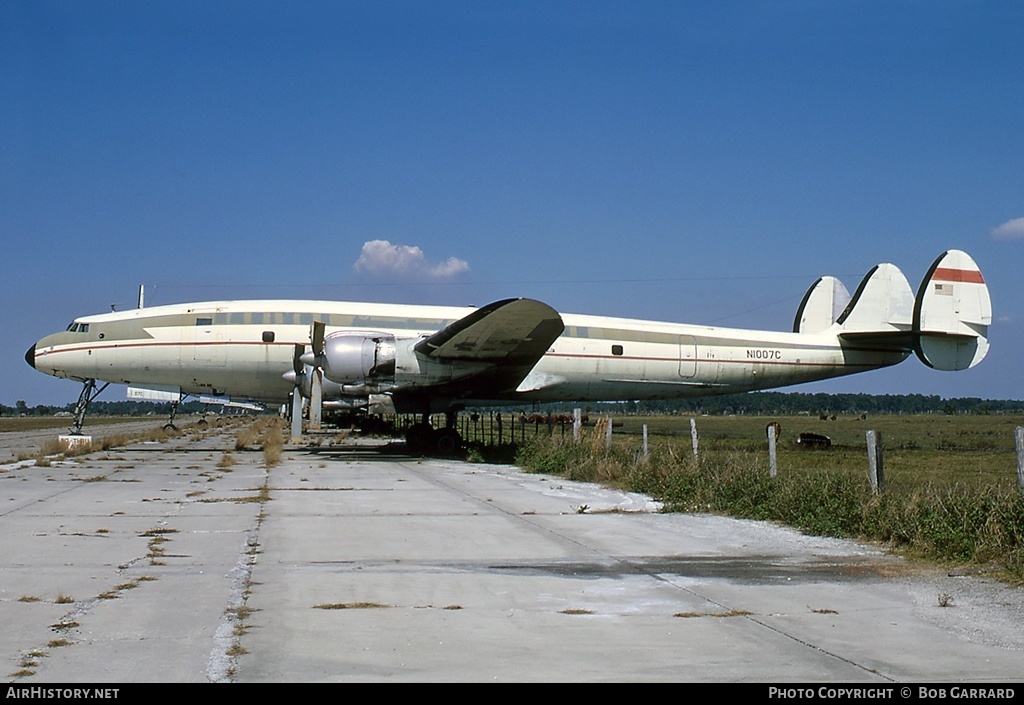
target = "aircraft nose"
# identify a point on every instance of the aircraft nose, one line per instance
(30, 356)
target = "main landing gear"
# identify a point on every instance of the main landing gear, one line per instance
(169, 426)
(424, 438)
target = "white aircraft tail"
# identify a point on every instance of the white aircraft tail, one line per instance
(883, 303)
(952, 313)
(946, 324)
(823, 303)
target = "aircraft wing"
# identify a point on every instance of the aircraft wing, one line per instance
(509, 336)
(509, 330)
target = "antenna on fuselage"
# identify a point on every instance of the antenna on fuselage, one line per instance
(142, 296)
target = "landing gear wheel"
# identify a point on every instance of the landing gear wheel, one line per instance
(447, 441)
(418, 436)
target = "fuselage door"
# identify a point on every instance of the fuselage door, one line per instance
(207, 343)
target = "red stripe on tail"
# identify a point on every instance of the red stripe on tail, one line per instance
(971, 276)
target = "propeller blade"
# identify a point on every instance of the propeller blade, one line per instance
(315, 357)
(316, 399)
(316, 336)
(296, 415)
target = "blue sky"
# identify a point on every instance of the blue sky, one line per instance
(681, 161)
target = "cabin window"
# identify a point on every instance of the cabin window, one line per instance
(616, 350)
(268, 336)
(204, 321)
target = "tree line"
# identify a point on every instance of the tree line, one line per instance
(750, 403)
(103, 408)
(793, 403)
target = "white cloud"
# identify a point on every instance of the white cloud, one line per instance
(380, 258)
(1010, 230)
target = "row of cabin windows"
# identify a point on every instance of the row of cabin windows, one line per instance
(284, 319)
(244, 319)
(305, 319)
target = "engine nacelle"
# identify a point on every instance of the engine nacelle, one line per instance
(355, 358)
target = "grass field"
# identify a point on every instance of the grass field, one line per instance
(951, 491)
(918, 450)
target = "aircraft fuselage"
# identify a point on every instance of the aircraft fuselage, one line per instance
(241, 349)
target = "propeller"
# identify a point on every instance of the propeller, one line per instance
(299, 376)
(295, 377)
(315, 359)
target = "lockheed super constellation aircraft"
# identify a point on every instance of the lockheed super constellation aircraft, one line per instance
(375, 358)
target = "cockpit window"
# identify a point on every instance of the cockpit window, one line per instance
(72, 327)
(78, 327)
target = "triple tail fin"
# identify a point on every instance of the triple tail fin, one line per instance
(946, 324)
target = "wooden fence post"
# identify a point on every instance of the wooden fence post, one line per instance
(577, 425)
(646, 452)
(1019, 440)
(773, 463)
(693, 441)
(876, 475)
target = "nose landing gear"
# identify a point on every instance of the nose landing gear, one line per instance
(89, 392)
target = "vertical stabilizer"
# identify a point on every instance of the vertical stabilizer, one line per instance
(952, 313)
(883, 303)
(822, 305)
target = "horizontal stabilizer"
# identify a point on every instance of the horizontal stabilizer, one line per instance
(822, 305)
(952, 313)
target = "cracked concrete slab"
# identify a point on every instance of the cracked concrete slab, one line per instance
(160, 563)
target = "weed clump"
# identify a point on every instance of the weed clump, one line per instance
(267, 433)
